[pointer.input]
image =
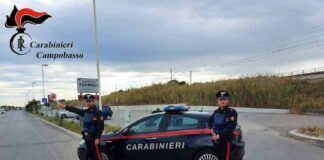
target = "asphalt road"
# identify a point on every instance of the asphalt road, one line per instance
(28, 138)
(266, 137)
(23, 137)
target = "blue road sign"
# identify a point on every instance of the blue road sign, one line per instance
(44, 100)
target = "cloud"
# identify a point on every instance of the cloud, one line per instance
(61, 79)
(141, 40)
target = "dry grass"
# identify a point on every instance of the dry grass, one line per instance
(313, 131)
(260, 91)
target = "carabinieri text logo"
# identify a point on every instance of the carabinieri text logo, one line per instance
(19, 42)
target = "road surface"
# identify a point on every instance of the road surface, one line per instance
(28, 138)
(266, 137)
(23, 137)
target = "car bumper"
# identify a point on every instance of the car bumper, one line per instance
(82, 154)
(82, 151)
(238, 152)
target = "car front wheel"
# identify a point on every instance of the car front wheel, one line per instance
(105, 156)
(206, 155)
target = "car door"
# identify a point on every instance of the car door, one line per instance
(182, 131)
(139, 142)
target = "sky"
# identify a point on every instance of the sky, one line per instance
(139, 41)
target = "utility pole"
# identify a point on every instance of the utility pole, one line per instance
(27, 94)
(43, 65)
(171, 73)
(190, 77)
(33, 90)
(97, 51)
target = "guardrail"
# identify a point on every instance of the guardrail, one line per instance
(314, 111)
(304, 71)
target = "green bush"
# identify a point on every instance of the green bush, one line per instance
(32, 105)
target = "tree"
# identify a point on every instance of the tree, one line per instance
(182, 83)
(33, 105)
(174, 82)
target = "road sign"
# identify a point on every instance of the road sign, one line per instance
(44, 100)
(52, 97)
(87, 85)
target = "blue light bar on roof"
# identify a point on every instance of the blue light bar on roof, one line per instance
(175, 108)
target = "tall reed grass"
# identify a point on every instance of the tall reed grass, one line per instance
(259, 91)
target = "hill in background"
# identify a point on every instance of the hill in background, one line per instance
(260, 91)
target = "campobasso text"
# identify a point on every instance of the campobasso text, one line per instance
(63, 55)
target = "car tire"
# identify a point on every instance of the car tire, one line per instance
(206, 155)
(63, 116)
(82, 154)
(105, 156)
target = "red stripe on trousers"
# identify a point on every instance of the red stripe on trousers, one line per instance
(228, 150)
(98, 154)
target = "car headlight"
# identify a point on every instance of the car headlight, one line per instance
(82, 144)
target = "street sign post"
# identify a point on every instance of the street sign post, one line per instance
(87, 85)
(52, 97)
(44, 100)
(51, 100)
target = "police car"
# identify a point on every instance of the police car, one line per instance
(174, 134)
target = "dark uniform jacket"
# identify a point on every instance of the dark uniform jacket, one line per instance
(223, 122)
(93, 123)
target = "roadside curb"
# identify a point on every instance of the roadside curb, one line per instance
(294, 133)
(58, 127)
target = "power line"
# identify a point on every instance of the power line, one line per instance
(277, 51)
(256, 46)
(242, 69)
(261, 55)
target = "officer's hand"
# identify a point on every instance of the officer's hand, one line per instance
(215, 137)
(97, 140)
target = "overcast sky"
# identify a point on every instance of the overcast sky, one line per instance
(140, 40)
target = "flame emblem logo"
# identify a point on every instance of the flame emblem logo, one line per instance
(18, 19)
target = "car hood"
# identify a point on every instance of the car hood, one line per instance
(110, 135)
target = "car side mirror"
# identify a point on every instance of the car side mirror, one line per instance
(125, 132)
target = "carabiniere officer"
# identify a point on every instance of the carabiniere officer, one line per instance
(93, 125)
(223, 123)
